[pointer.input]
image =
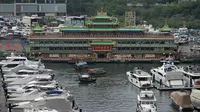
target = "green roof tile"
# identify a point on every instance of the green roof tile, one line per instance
(102, 29)
(37, 28)
(102, 43)
(165, 28)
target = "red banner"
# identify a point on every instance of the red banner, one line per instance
(8, 46)
(101, 48)
(16, 47)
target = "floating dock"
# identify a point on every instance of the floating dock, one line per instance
(174, 89)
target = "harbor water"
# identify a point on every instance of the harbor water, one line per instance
(112, 92)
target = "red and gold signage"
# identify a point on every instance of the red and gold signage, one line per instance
(101, 48)
(8, 46)
(16, 47)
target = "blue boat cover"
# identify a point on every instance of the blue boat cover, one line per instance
(81, 63)
(54, 92)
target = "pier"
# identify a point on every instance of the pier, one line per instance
(174, 89)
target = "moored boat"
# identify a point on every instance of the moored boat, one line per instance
(80, 65)
(140, 78)
(146, 102)
(169, 75)
(181, 100)
(195, 95)
(86, 78)
(96, 71)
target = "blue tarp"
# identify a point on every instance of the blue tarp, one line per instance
(81, 63)
(54, 92)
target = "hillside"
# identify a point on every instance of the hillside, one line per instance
(153, 11)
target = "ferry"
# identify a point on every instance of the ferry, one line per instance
(140, 78)
(100, 38)
(146, 102)
(169, 75)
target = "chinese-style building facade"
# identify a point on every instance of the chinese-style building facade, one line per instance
(101, 37)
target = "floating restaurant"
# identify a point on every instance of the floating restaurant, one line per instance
(102, 39)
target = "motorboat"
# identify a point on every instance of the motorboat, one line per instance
(181, 100)
(46, 79)
(146, 101)
(80, 65)
(96, 71)
(13, 58)
(16, 66)
(29, 78)
(140, 78)
(45, 109)
(86, 78)
(50, 101)
(191, 74)
(195, 95)
(21, 60)
(40, 94)
(169, 75)
(25, 93)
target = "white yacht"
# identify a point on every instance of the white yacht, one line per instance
(22, 88)
(45, 109)
(21, 60)
(27, 79)
(25, 93)
(169, 75)
(140, 78)
(191, 74)
(39, 94)
(146, 102)
(51, 101)
(195, 95)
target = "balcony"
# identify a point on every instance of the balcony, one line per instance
(62, 51)
(60, 45)
(142, 51)
(145, 45)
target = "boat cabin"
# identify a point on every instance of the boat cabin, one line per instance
(25, 72)
(146, 102)
(191, 74)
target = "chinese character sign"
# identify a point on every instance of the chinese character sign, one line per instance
(16, 47)
(101, 48)
(8, 46)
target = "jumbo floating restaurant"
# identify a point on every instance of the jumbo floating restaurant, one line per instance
(102, 39)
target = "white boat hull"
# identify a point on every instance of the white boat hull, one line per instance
(177, 83)
(139, 84)
(195, 98)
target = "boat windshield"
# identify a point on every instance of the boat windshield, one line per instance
(195, 77)
(11, 65)
(170, 68)
(143, 79)
(147, 102)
